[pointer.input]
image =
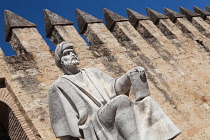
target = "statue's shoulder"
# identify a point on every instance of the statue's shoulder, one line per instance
(57, 82)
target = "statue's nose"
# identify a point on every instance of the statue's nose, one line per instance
(71, 53)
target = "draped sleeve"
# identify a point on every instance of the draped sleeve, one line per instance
(60, 111)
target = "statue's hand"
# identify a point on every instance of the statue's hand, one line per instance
(139, 82)
(123, 84)
(137, 70)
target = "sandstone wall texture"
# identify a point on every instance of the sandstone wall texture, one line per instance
(173, 48)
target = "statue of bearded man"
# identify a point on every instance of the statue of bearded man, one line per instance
(89, 104)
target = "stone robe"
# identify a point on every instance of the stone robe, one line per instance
(75, 100)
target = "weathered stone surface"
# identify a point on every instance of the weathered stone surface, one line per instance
(154, 15)
(176, 62)
(134, 17)
(108, 48)
(29, 68)
(111, 18)
(52, 19)
(202, 12)
(208, 8)
(23, 63)
(1, 54)
(12, 20)
(144, 54)
(100, 103)
(208, 17)
(173, 15)
(201, 25)
(84, 18)
(3, 68)
(189, 14)
(13, 117)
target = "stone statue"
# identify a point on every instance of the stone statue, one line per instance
(89, 104)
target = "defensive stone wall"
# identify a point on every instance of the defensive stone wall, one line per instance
(173, 48)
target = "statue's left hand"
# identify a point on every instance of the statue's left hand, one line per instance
(123, 83)
(139, 83)
(137, 70)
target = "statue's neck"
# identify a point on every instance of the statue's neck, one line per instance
(71, 71)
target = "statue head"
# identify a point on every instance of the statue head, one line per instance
(65, 57)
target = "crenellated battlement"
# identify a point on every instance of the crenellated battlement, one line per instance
(172, 47)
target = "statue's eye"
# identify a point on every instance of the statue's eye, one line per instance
(66, 53)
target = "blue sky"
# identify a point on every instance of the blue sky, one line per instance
(32, 10)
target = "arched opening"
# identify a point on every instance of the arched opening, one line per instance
(4, 121)
(10, 127)
(2, 83)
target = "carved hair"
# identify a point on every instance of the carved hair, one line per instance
(59, 52)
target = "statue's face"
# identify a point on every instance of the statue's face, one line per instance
(69, 58)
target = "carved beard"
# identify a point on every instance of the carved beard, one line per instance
(69, 60)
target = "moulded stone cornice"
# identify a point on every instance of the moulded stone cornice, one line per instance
(189, 14)
(154, 15)
(134, 17)
(208, 8)
(202, 12)
(173, 15)
(12, 20)
(84, 18)
(112, 17)
(52, 19)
